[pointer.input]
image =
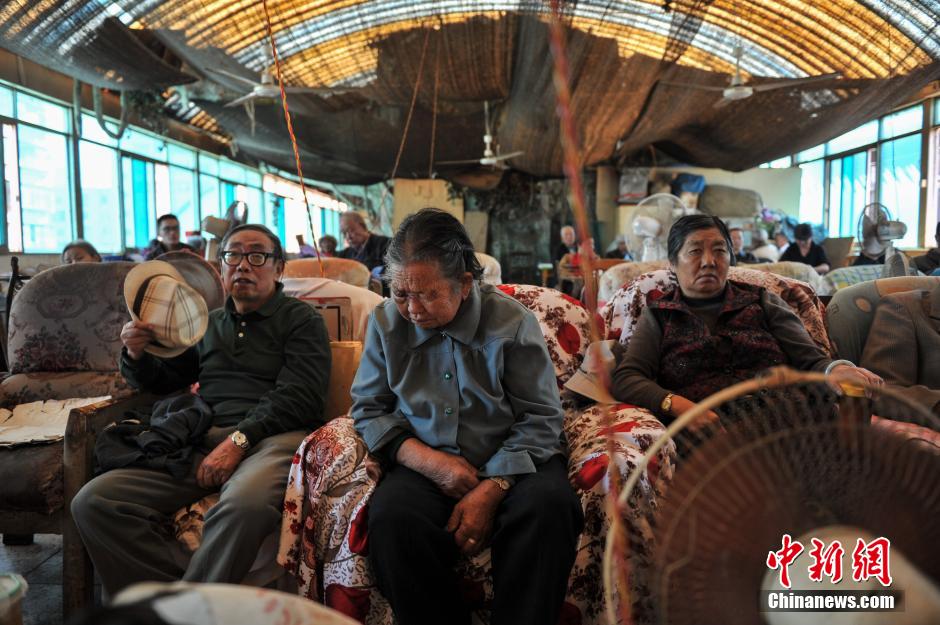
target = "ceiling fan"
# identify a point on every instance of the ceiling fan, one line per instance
(490, 158)
(266, 90)
(737, 89)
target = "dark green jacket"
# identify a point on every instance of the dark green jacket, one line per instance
(266, 372)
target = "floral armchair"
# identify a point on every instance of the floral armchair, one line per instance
(324, 541)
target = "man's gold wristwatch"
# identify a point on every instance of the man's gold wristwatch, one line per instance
(666, 406)
(502, 482)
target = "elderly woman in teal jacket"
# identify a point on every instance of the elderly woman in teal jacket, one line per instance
(456, 395)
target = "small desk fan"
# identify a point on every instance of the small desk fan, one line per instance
(786, 455)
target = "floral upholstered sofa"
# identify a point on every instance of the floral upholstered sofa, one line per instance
(324, 540)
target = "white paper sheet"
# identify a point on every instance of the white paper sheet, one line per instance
(39, 421)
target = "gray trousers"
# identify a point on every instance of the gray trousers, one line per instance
(122, 517)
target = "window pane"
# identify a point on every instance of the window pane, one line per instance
(812, 190)
(183, 198)
(936, 111)
(848, 193)
(6, 101)
(44, 190)
(811, 154)
(277, 217)
(230, 170)
(863, 135)
(41, 112)
(11, 179)
(251, 197)
(161, 180)
(144, 144)
(208, 165)
(228, 196)
(101, 208)
(295, 222)
(92, 130)
(900, 123)
(780, 163)
(900, 184)
(139, 202)
(208, 195)
(182, 156)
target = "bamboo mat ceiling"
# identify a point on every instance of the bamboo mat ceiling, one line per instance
(621, 52)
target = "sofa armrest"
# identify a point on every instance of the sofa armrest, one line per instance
(83, 426)
(633, 430)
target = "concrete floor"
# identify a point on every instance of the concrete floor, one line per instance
(41, 565)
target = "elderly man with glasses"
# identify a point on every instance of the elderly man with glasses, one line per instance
(263, 367)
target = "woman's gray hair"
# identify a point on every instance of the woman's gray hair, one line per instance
(432, 235)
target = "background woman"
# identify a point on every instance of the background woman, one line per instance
(80, 251)
(708, 333)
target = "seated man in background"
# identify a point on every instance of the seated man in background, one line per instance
(568, 243)
(903, 344)
(361, 245)
(930, 262)
(168, 238)
(80, 251)
(740, 254)
(805, 251)
(263, 366)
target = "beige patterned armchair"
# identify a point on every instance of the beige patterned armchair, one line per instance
(64, 342)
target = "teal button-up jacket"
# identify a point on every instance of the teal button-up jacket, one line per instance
(482, 387)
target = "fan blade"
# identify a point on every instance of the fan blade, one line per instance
(795, 82)
(241, 100)
(240, 79)
(722, 103)
(319, 90)
(504, 157)
(686, 85)
(472, 161)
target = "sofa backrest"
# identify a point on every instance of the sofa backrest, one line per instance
(492, 270)
(342, 269)
(69, 318)
(565, 324)
(851, 311)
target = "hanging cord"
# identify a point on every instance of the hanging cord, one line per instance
(122, 122)
(290, 131)
(411, 110)
(573, 162)
(437, 75)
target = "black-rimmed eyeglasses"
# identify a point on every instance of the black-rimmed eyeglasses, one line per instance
(255, 259)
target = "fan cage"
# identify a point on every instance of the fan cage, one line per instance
(811, 422)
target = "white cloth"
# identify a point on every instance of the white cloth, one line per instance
(228, 604)
(40, 421)
(768, 251)
(362, 300)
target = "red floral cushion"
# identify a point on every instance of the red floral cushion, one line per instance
(565, 324)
